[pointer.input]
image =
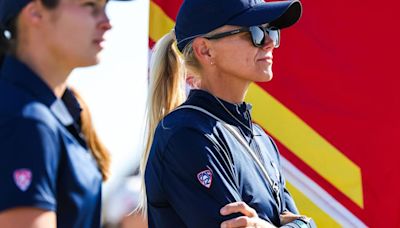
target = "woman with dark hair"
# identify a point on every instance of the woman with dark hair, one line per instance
(207, 164)
(52, 164)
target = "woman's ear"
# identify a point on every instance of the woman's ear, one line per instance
(32, 13)
(203, 51)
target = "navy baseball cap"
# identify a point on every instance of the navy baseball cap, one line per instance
(199, 17)
(11, 8)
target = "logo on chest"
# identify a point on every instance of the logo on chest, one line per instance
(23, 178)
(205, 178)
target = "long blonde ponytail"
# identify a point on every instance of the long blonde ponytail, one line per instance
(166, 92)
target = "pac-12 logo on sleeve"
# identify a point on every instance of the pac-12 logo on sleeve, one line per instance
(23, 178)
(205, 178)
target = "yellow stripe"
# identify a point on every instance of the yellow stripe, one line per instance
(306, 143)
(307, 207)
(159, 24)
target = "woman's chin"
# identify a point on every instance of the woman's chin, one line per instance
(267, 76)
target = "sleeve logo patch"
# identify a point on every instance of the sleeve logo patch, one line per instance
(23, 178)
(205, 178)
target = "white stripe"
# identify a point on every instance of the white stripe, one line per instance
(319, 196)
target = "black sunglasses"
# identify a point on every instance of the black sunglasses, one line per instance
(258, 34)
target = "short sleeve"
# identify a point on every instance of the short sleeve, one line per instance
(28, 166)
(198, 178)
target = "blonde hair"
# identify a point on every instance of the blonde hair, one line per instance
(166, 92)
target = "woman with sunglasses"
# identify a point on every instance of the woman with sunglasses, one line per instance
(206, 163)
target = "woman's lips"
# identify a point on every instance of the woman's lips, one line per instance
(99, 43)
(266, 59)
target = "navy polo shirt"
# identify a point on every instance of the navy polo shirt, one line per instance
(44, 159)
(196, 167)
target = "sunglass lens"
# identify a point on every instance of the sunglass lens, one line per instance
(257, 35)
(275, 36)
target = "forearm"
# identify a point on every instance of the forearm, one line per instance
(27, 217)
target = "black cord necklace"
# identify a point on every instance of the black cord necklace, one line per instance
(233, 116)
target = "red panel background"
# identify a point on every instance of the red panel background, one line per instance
(338, 70)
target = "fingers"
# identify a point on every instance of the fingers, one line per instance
(287, 217)
(244, 221)
(238, 207)
(241, 221)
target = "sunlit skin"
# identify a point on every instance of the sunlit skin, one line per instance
(236, 56)
(231, 63)
(77, 40)
(53, 42)
(250, 217)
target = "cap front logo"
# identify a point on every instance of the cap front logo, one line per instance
(205, 178)
(23, 178)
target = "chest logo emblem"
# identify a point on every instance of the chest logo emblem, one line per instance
(205, 178)
(23, 178)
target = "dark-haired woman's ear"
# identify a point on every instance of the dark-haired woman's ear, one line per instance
(32, 13)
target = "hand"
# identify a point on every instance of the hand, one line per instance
(250, 218)
(287, 217)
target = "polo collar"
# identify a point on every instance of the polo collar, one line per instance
(209, 102)
(19, 74)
